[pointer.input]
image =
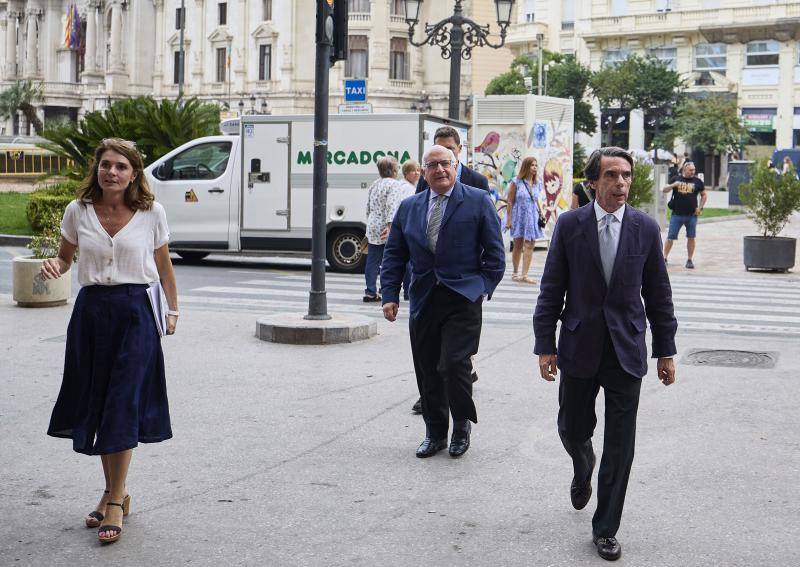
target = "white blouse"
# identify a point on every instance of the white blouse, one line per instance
(127, 257)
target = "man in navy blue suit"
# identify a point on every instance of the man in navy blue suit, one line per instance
(451, 234)
(606, 257)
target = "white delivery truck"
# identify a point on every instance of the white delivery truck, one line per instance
(508, 128)
(252, 193)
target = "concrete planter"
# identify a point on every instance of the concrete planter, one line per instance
(30, 290)
(765, 253)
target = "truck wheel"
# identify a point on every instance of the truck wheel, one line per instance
(193, 256)
(344, 250)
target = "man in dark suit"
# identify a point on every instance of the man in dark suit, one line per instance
(606, 257)
(448, 137)
(451, 234)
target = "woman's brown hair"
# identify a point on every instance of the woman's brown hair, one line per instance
(525, 168)
(137, 194)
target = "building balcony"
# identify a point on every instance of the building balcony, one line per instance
(401, 84)
(726, 25)
(521, 37)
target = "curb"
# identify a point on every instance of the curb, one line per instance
(14, 240)
(722, 219)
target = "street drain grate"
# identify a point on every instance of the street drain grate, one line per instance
(731, 358)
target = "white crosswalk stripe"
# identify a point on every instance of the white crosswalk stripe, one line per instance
(742, 306)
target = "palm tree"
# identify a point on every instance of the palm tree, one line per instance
(21, 96)
(157, 127)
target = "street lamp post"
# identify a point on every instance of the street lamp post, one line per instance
(182, 54)
(457, 36)
(547, 68)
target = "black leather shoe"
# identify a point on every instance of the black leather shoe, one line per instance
(459, 442)
(371, 297)
(607, 547)
(417, 407)
(580, 495)
(429, 447)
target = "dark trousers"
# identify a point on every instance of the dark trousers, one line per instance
(576, 423)
(443, 337)
(373, 268)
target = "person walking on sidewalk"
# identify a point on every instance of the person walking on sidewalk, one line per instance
(685, 210)
(451, 234)
(113, 394)
(602, 341)
(408, 186)
(380, 197)
(522, 217)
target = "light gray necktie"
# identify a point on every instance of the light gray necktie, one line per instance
(435, 223)
(608, 248)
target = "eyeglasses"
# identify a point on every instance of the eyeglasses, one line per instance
(119, 141)
(445, 164)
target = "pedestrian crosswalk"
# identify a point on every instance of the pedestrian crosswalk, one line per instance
(755, 306)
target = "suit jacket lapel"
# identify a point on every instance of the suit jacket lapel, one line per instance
(589, 225)
(630, 225)
(420, 217)
(456, 197)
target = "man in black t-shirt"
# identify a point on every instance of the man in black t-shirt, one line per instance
(685, 209)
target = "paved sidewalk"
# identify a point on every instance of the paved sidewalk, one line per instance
(304, 456)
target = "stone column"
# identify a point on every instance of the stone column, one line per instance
(90, 61)
(11, 45)
(116, 37)
(31, 44)
(636, 129)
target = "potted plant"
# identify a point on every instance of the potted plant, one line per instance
(770, 199)
(30, 290)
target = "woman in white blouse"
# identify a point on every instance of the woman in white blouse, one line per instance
(113, 394)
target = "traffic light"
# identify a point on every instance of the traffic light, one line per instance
(339, 50)
(332, 27)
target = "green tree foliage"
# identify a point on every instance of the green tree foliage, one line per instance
(566, 79)
(711, 124)
(770, 197)
(21, 96)
(641, 189)
(639, 82)
(157, 127)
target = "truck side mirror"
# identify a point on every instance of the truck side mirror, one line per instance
(163, 171)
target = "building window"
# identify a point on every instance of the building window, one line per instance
(178, 19)
(176, 67)
(762, 53)
(398, 59)
(357, 64)
(264, 62)
(614, 56)
(663, 5)
(358, 6)
(666, 54)
(266, 10)
(398, 7)
(567, 14)
(222, 11)
(711, 57)
(222, 64)
(529, 11)
(619, 7)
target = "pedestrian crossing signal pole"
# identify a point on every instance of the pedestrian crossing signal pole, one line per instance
(331, 39)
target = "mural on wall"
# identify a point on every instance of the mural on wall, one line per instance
(549, 141)
(498, 155)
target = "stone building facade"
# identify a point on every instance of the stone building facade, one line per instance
(249, 55)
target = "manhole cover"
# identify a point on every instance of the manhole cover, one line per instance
(731, 358)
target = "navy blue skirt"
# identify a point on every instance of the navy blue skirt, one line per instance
(114, 393)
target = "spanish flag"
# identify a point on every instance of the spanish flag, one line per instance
(72, 29)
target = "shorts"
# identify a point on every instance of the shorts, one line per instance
(677, 221)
